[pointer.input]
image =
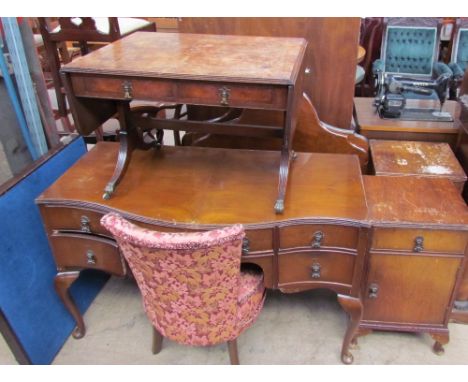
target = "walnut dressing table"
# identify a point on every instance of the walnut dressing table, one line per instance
(318, 242)
(243, 72)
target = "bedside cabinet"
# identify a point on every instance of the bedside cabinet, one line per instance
(417, 255)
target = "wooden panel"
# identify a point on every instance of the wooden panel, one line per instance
(71, 251)
(296, 269)
(331, 54)
(411, 200)
(433, 240)
(421, 287)
(333, 236)
(409, 158)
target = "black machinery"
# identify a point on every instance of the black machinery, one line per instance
(391, 101)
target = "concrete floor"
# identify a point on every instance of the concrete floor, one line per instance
(304, 328)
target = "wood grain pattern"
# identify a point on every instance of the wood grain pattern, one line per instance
(408, 200)
(407, 158)
(195, 56)
(213, 195)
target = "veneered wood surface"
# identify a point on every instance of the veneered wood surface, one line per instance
(369, 119)
(200, 186)
(415, 158)
(425, 201)
(412, 289)
(248, 59)
(331, 54)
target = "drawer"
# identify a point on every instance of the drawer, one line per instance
(317, 236)
(73, 219)
(419, 240)
(316, 268)
(87, 251)
(192, 92)
(257, 240)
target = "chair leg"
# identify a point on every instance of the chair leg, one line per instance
(233, 354)
(157, 341)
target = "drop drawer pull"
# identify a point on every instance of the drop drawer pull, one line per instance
(316, 270)
(85, 227)
(418, 244)
(90, 257)
(317, 239)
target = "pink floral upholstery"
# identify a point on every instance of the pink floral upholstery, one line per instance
(193, 290)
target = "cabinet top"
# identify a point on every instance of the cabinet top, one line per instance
(413, 200)
(191, 186)
(248, 59)
(415, 158)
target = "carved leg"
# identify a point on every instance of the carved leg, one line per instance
(441, 339)
(157, 341)
(127, 137)
(353, 307)
(62, 283)
(233, 354)
(286, 157)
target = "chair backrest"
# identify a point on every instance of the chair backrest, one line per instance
(410, 45)
(460, 44)
(189, 281)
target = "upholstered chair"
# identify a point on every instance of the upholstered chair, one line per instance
(410, 47)
(192, 287)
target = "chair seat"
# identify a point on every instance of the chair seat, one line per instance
(250, 298)
(127, 25)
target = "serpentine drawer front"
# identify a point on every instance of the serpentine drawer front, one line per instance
(420, 240)
(307, 270)
(80, 251)
(319, 235)
(73, 219)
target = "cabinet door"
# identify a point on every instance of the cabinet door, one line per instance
(410, 289)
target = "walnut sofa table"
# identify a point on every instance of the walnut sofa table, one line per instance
(243, 72)
(319, 241)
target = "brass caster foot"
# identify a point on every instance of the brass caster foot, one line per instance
(438, 349)
(347, 359)
(279, 206)
(106, 195)
(78, 333)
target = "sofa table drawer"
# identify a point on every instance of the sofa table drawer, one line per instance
(87, 251)
(419, 240)
(189, 91)
(307, 270)
(317, 236)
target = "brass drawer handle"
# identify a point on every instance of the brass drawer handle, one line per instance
(127, 89)
(317, 239)
(90, 257)
(418, 244)
(245, 246)
(85, 227)
(224, 93)
(373, 290)
(316, 270)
